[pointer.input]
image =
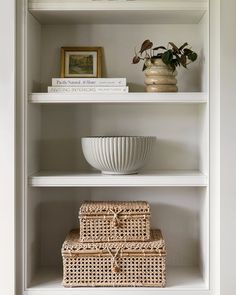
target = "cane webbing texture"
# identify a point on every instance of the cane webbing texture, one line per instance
(117, 264)
(103, 207)
(74, 245)
(114, 221)
(143, 271)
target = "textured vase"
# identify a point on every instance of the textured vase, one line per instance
(117, 154)
(159, 77)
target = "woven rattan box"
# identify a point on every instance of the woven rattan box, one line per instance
(114, 264)
(114, 221)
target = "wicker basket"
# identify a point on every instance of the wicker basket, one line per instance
(123, 264)
(114, 221)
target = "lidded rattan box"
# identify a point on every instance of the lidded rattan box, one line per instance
(114, 264)
(102, 221)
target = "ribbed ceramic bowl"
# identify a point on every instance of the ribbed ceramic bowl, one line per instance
(117, 154)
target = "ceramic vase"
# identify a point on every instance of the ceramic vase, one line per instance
(159, 77)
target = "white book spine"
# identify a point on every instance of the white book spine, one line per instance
(106, 82)
(89, 89)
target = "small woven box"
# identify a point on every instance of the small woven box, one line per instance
(114, 221)
(114, 264)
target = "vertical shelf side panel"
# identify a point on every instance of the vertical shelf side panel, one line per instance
(204, 119)
(32, 147)
(204, 137)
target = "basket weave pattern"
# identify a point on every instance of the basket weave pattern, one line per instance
(115, 263)
(114, 221)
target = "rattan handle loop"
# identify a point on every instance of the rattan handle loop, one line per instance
(115, 268)
(115, 219)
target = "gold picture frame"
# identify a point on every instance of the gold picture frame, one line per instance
(81, 62)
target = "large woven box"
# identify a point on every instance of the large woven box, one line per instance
(130, 264)
(114, 221)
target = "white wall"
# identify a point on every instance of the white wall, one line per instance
(176, 147)
(7, 128)
(228, 147)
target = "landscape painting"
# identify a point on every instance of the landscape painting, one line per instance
(81, 62)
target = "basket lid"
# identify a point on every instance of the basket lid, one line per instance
(109, 207)
(73, 244)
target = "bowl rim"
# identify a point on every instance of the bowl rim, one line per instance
(118, 136)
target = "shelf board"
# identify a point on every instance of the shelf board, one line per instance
(48, 281)
(118, 12)
(96, 179)
(130, 97)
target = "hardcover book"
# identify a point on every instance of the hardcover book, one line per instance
(114, 82)
(88, 89)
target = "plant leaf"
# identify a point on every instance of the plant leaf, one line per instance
(160, 47)
(172, 65)
(136, 59)
(183, 60)
(167, 57)
(177, 62)
(187, 51)
(182, 46)
(192, 56)
(175, 48)
(177, 57)
(147, 44)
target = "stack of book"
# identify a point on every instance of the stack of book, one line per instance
(88, 85)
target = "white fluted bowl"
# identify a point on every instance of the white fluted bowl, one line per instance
(117, 154)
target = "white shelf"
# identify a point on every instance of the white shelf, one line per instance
(48, 281)
(96, 179)
(118, 12)
(131, 97)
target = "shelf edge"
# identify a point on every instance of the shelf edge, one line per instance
(118, 5)
(131, 97)
(127, 181)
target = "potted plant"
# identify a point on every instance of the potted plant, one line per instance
(160, 64)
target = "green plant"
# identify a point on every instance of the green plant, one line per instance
(172, 55)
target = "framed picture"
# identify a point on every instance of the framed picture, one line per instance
(81, 62)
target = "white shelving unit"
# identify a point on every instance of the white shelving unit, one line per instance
(184, 97)
(96, 179)
(56, 177)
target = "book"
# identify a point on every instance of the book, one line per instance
(88, 89)
(89, 82)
